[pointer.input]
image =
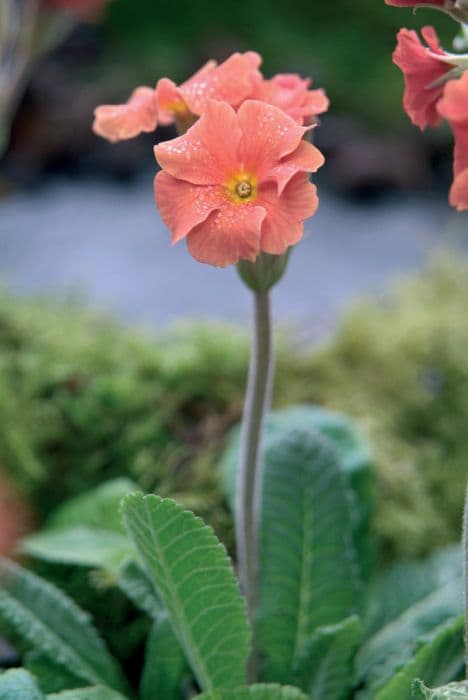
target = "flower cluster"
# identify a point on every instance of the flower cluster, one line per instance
(235, 182)
(436, 87)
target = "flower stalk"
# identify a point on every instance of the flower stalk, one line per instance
(465, 562)
(257, 402)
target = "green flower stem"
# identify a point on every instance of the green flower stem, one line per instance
(465, 560)
(256, 405)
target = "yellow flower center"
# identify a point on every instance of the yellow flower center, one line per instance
(177, 107)
(242, 188)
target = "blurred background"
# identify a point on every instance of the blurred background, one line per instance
(84, 396)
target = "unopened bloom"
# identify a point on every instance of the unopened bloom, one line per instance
(137, 115)
(232, 81)
(291, 93)
(425, 70)
(454, 107)
(236, 184)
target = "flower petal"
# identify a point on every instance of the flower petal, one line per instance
(182, 205)
(207, 153)
(459, 191)
(454, 107)
(230, 234)
(268, 134)
(291, 93)
(137, 115)
(232, 82)
(284, 223)
(169, 101)
(306, 158)
(421, 69)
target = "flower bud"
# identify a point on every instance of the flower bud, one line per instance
(265, 272)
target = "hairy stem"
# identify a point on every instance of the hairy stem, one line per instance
(248, 485)
(465, 560)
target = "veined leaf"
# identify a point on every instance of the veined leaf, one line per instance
(452, 691)
(261, 691)
(193, 577)
(393, 646)
(81, 546)
(309, 570)
(99, 508)
(354, 458)
(47, 620)
(18, 684)
(92, 693)
(165, 665)
(438, 660)
(325, 669)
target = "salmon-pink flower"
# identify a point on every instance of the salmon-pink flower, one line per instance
(137, 115)
(291, 93)
(425, 70)
(236, 184)
(232, 81)
(454, 107)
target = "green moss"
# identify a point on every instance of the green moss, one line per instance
(83, 400)
(402, 370)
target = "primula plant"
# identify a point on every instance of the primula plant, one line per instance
(303, 613)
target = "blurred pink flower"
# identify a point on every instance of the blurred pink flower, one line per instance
(236, 184)
(416, 3)
(424, 69)
(454, 107)
(232, 81)
(86, 10)
(291, 93)
(137, 115)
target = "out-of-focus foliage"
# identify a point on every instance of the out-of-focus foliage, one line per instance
(83, 400)
(402, 369)
(345, 45)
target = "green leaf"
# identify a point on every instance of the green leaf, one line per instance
(81, 546)
(325, 669)
(99, 508)
(51, 677)
(404, 584)
(309, 571)
(354, 459)
(447, 692)
(165, 665)
(50, 622)
(18, 684)
(92, 693)
(261, 691)
(438, 660)
(393, 646)
(193, 577)
(136, 584)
